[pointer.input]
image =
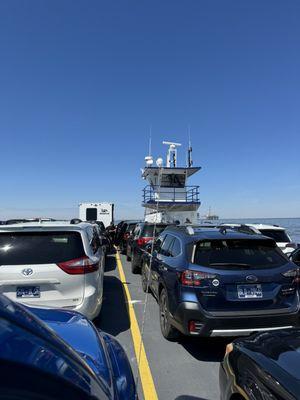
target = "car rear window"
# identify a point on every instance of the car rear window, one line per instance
(130, 227)
(277, 235)
(236, 254)
(148, 230)
(39, 247)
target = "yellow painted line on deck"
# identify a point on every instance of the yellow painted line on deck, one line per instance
(144, 368)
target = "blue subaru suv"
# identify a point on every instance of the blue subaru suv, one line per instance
(220, 282)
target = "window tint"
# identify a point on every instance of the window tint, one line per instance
(165, 250)
(91, 214)
(39, 247)
(130, 227)
(175, 250)
(159, 242)
(148, 230)
(278, 236)
(238, 254)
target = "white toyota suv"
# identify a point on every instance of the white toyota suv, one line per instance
(278, 233)
(53, 264)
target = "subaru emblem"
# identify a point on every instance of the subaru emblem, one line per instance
(27, 271)
(251, 278)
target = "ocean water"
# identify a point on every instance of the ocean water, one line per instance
(292, 225)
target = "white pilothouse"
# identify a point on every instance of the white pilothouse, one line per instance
(168, 197)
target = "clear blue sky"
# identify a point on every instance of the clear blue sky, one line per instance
(82, 81)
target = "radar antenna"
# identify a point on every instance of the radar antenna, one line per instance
(172, 153)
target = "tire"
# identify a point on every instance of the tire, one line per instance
(167, 330)
(144, 279)
(135, 268)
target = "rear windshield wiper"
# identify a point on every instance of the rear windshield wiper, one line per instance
(230, 265)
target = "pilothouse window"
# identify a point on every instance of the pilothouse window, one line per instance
(173, 180)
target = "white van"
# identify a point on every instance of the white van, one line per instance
(97, 212)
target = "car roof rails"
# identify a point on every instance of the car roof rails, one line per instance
(75, 221)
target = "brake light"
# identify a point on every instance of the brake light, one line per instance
(292, 273)
(143, 241)
(79, 266)
(194, 278)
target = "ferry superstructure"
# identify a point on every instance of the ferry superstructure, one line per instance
(168, 197)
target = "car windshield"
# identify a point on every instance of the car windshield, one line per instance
(39, 247)
(238, 254)
(277, 235)
(148, 230)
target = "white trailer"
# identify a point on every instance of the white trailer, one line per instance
(97, 212)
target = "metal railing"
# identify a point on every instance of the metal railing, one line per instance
(154, 194)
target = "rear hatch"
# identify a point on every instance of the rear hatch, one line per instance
(30, 272)
(244, 275)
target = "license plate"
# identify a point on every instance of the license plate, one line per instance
(249, 291)
(28, 292)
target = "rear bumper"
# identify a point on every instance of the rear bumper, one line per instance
(239, 324)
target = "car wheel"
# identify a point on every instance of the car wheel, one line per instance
(144, 276)
(168, 331)
(135, 268)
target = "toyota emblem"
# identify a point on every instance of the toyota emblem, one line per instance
(27, 271)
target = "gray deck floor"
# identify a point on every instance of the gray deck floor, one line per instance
(181, 371)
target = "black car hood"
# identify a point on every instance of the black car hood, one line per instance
(278, 352)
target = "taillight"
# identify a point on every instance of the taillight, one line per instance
(79, 266)
(194, 278)
(292, 273)
(144, 240)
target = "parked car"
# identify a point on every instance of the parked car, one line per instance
(53, 264)
(264, 366)
(142, 234)
(278, 233)
(295, 257)
(103, 236)
(220, 282)
(58, 354)
(126, 231)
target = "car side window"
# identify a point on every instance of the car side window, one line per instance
(165, 249)
(136, 231)
(175, 249)
(159, 242)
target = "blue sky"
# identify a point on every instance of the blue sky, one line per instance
(81, 82)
